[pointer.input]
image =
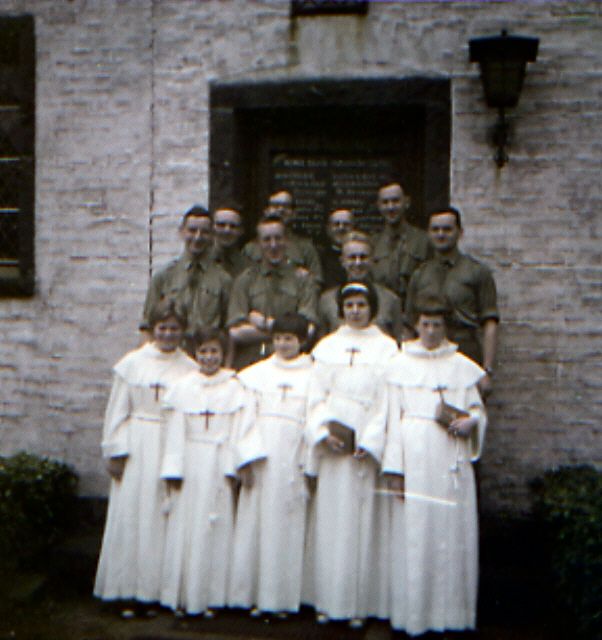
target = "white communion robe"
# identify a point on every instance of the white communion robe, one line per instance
(269, 540)
(434, 542)
(207, 419)
(130, 558)
(347, 551)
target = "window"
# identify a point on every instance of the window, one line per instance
(17, 167)
(328, 7)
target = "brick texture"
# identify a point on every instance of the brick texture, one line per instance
(122, 148)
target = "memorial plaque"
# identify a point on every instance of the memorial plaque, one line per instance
(322, 183)
(332, 144)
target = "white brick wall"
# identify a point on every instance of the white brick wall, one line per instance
(122, 135)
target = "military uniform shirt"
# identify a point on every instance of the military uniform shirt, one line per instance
(332, 269)
(397, 253)
(272, 291)
(300, 252)
(199, 289)
(231, 260)
(469, 287)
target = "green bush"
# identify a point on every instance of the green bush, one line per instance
(37, 506)
(568, 503)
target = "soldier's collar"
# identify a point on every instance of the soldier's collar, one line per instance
(267, 269)
(398, 230)
(450, 258)
(193, 261)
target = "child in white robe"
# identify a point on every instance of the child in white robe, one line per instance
(434, 533)
(270, 526)
(129, 567)
(348, 394)
(208, 414)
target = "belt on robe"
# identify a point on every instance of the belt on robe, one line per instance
(145, 418)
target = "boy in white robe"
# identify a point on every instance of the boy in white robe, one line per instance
(348, 395)
(270, 525)
(129, 567)
(208, 415)
(434, 534)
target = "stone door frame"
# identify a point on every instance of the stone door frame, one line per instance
(234, 105)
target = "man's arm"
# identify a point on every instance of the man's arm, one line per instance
(255, 329)
(490, 328)
(153, 296)
(407, 332)
(245, 325)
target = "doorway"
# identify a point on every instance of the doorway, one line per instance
(332, 144)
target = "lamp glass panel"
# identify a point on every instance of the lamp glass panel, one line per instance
(502, 81)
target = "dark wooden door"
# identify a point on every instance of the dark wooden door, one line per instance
(332, 145)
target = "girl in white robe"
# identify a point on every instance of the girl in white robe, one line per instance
(348, 390)
(208, 414)
(434, 534)
(270, 526)
(129, 567)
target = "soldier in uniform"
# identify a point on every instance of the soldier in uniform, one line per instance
(356, 258)
(227, 231)
(265, 290)
(339, 223)
(198, 286)
(399, 247)
(468, 286)
(300, 252)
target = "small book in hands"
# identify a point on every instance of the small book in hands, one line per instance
(344, 433)
(446, 413)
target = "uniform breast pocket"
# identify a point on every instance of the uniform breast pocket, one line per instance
(258, 299)
(459, 288)
(174, 290)
(210, 300)
(287, 299)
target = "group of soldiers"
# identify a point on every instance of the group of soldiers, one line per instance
(216, 282)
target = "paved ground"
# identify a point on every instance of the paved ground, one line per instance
(515, 602)
(83, 618)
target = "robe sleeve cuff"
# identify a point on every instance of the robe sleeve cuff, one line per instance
(374, 454)
(114, 449)
(392, 470)
(173, 466)
(321, 434)
(250, 460)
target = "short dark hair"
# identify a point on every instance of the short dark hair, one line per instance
(358, 236)
(197, 210)
(392, 182)
(208, 334)
(337, 209)
(278, 191)
(228, 205)
(293, 323)
(166, 308)
(358, 288)
(267, 219)
(455, 212)
(432, 305)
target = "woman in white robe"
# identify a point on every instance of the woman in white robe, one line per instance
(348, 395)
(129, 567)
(208, 414)
(270, 525)
(434, 534)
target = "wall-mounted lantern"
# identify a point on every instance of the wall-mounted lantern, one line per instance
(502, 60)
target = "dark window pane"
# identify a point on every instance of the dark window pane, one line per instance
(17, 166)
(11, 183)
(9, 237)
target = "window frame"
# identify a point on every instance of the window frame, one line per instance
(17, 276)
